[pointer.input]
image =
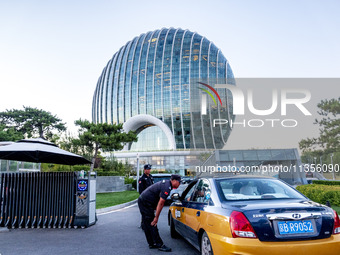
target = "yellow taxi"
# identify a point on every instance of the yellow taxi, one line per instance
(252, 215)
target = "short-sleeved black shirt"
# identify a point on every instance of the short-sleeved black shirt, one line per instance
(156, 191)
(144, 182)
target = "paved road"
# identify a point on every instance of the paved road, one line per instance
(114, 233)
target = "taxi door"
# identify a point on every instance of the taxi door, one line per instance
(180, 210)
(195, 212)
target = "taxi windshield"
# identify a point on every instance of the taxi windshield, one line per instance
(246, 189)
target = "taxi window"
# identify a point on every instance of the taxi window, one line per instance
(188, 195)
(202, 192)
(245, 189)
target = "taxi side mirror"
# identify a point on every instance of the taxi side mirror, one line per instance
(175, 197)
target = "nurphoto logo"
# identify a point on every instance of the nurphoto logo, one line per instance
(280, 99)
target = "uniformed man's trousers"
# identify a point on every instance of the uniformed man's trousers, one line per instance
(151, 232)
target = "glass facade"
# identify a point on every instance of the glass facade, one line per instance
(157, 74)
(175, 164)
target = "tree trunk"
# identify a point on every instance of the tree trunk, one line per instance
(41, 134)
(94, 157)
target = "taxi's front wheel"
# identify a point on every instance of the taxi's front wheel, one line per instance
(173, 232)
(206, 248)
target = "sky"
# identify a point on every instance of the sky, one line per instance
(53, 52)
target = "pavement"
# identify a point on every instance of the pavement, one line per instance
(116, 232)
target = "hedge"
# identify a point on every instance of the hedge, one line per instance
(134, 184)
(321, 193)
(326, 182)
(107, 173)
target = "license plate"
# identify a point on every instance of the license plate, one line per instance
(295, 227)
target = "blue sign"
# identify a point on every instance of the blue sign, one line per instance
(82, 185)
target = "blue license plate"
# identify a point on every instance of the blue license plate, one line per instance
(295, 227)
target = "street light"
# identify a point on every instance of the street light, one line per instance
(137, 172)
(333, 172)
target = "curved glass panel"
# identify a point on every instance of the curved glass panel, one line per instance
(215, 108)
(151, 139)
(207, 135)
(166, 78)
(121, 86)
(150, 73)
(159, 75)
(135, 74)
(127, 84)
(176, 89)
(115, 86)
(194, 92)
(142, 72)
(185, 90)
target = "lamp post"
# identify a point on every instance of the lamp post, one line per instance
(314, 174)
(333, 172)
(137, 172)
(321, 168)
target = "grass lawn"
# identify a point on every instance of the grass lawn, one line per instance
(336, 208)
(115, 198)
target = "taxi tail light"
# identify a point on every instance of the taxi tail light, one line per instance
(240, 226)
(336, 223)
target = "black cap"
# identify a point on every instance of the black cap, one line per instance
(147, 166)
(176, 177)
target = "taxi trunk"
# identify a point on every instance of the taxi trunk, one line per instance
(296, 220)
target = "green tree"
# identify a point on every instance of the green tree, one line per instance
(329, 139)
(72, 144)
(104, 136)
(31, 122)
(111, 165)
(9, 134)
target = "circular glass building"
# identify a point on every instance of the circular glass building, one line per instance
(156, 84)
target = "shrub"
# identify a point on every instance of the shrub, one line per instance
(79, 168)
(326, 182)
(128, 180)
(321, 193)
(112, 164)
(134, 184)
(107, 173)
(47, 167)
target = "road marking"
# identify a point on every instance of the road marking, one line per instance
(117, 210)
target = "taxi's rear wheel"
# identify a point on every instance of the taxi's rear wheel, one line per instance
(206, 248)
(173, 232)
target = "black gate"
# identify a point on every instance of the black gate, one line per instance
(37, 200)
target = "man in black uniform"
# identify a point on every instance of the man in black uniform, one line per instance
(146, 180)
(153, 198)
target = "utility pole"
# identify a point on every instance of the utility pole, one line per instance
(137, 172)
(333, 170)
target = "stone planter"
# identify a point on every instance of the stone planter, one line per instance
(110, 184)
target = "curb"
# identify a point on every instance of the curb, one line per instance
(116, 207)
(3, 230)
